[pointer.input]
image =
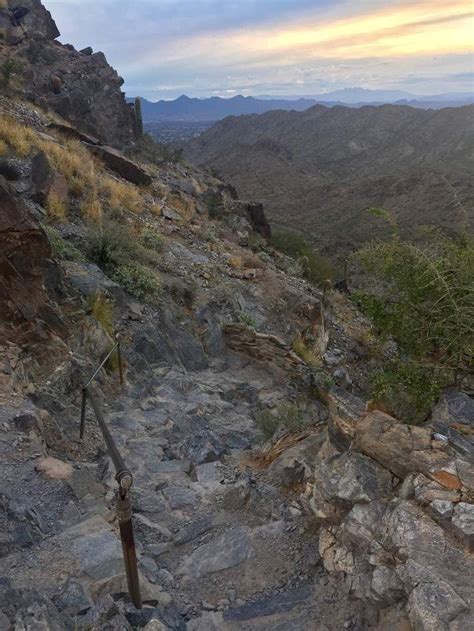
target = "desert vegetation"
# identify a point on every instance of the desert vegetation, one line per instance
(309, 263)
(422, 296)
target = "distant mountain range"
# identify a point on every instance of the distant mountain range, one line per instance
(216, 108)
(318, 171)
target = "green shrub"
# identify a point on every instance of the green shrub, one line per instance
(60, 247)
(247, 319)
(138, 280)
(407, 389)
(114, 244)
(423, 296)
(152, 240)
(314, 267)
(286, 415)
(10, 70)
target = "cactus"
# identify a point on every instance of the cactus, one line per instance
(56, 84)
(138, 117)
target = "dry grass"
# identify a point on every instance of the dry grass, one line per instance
(252, 261)
(18, 138)
(91, 207)
(56, 208)
(306, 354)
(86, 177)
(120, 196)
(3, 4)
(182, 205)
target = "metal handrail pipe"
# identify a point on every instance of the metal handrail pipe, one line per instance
(102, 364)
(123, 475)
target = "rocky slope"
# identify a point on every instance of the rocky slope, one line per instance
(80, 86)
(318, 171)
(268, 494)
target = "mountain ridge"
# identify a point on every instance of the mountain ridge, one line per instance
(214, 108)
(336, 162)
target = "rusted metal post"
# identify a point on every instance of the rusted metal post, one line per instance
(124, 516)
(83, 413)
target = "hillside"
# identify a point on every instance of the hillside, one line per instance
(268, 486)
(319, 170)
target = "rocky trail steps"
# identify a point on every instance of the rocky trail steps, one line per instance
(220, 546)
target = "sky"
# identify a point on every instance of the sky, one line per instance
(165, 48)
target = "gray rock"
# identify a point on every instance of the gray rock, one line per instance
(191, 531)
(99, 554)
(354, 478)
(74, 598)
(228, 550)
(463, 522)
(432, 606)
(442, 508)
(180, 498)
(454, 407)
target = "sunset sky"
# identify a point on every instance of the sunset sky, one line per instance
(164, 48)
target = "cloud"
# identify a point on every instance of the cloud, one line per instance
(166, 47)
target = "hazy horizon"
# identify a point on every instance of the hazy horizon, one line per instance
(202, 48)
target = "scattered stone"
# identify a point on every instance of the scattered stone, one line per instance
(228, 550)
(55, 469)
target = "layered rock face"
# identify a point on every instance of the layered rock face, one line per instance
(24, 255)
(80, 86)
(397, 518)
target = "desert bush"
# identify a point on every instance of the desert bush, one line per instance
(314, 267)
(138, 280)
(408, 389)
(247, 319)
(287, 415)
(422, 296)
(152, 240)
(60, 247)
(10, 72)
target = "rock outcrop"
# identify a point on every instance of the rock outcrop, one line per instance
(81, 87)
(397, 520)
(24, 253)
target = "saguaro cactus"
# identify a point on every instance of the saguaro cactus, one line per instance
(139, 117)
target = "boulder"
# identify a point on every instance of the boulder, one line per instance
(398, 447)
(352, 478)
(121, 165)
(46, 181)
